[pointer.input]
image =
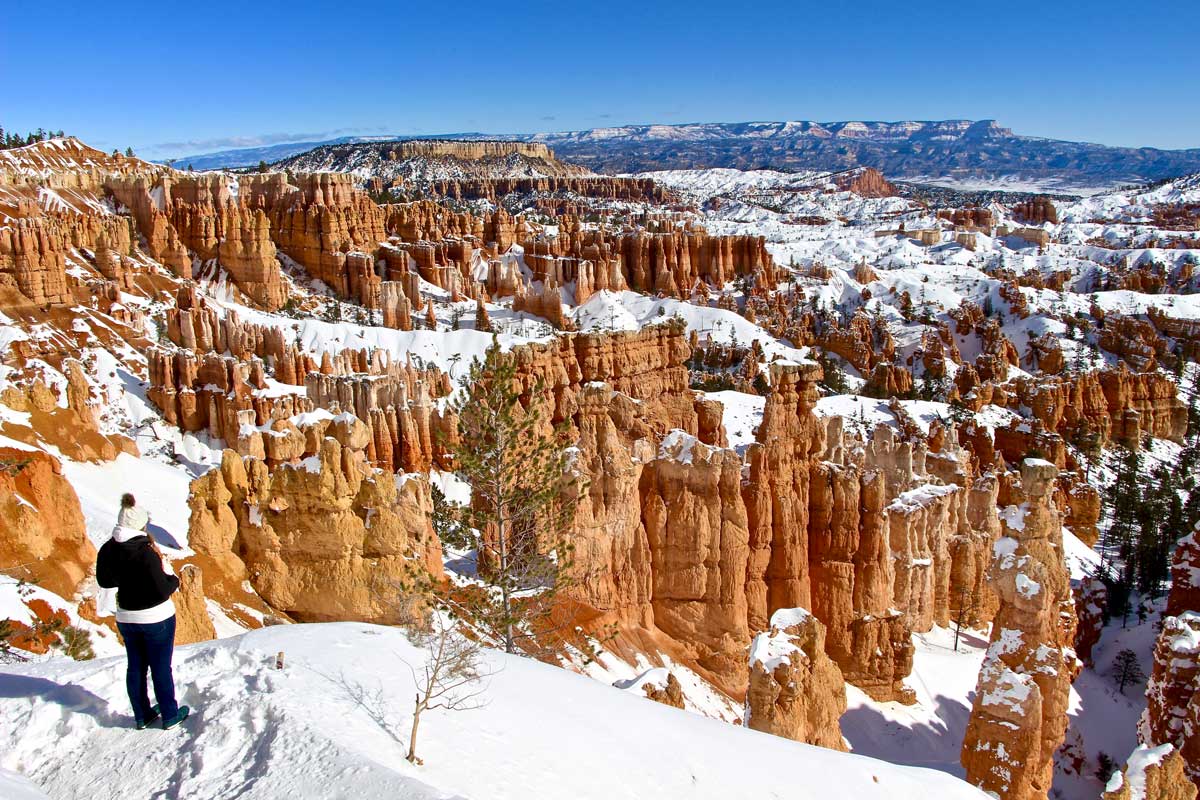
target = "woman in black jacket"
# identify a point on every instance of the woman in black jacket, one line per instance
(130, 563)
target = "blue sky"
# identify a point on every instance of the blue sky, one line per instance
(173, 78)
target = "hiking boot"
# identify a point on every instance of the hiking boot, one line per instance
(142, 724)
(180, 717)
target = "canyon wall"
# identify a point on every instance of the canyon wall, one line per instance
(321, 537)
(1172, 715)
(1019, 715)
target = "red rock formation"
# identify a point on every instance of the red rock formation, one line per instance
(868, 182)
(795, 690)
(1090, 596)
(1185, 575)
(1151, 773)
(1134, 341)
(214, 226)
(969, 218)
(668, 692)
(1114, 404)
(1037, 211)
(323, 223)
(323, 539)
(225, 397)
(1019, 715)
(777, 494)
(45, 539)
(695, 526)
(1172, 714)
(32, 260)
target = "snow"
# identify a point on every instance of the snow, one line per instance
(627, 311)
(1009, 691)
(774, 647)
(788, 617)
(162, 489)
(1013, 517)
(1081, 560)
(17, 787)
(338, 716)
(1104, 719)
(930, 732)
(1140, 760)
(742, 415)
(678, 445)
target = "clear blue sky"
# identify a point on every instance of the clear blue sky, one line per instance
(173, 78)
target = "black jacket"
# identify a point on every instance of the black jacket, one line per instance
(135, 570)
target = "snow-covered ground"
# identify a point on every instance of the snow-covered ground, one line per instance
(929, 733)
(334, 723)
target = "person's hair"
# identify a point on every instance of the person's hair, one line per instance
(127, 501)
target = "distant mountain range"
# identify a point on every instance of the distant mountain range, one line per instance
(952, 152)
(252, 156)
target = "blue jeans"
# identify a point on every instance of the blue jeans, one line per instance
(149, 647)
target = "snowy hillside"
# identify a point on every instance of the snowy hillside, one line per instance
(334, 723)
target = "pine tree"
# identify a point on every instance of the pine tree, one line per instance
(129, 152)
(1126, 670)
(1122, 500)
(835, 376)
(522, 506)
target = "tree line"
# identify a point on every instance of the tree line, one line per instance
(11, 139)
(1148, 509)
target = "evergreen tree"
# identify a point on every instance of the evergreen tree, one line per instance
(1105, 766)
(1126, 670)
(129, 152)
(1122, 503)
(835, 376)
(522, 506)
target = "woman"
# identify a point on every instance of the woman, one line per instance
(130, 563)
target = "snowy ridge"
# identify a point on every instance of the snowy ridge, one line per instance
(336, 719)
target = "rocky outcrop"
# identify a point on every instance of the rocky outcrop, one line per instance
(73, 428)
(1037, 211)
(970, 218)
(32, 260)
(1018, 719)
(1185, 575)
(467, 150)
(226, 397)
(1090, 596)
(397, 407)
(326, 538)
(45, 539)
(1151, 773)
(192, 622)
(668, 691)
(325, 224)
(698, 542)
(214, 225)
(777, 494)
(868, 182)
(1172, 714)
(795, 690)
(1113, 404)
